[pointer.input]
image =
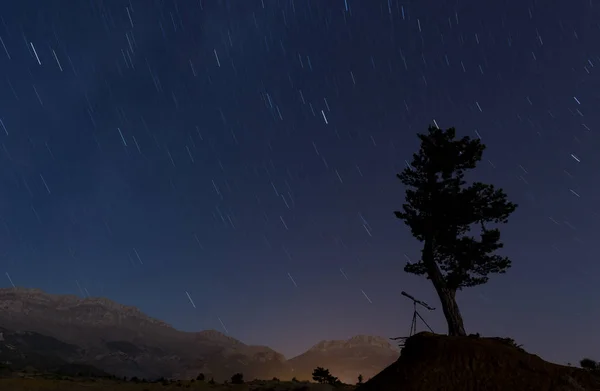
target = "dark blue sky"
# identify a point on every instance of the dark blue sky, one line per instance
(245, 151)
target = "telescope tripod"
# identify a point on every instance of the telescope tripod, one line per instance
(413, 323)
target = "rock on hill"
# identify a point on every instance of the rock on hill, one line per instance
(431, 362)
(121, 340)
(346, 359)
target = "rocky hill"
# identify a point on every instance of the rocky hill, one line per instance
(99, 334)
(431, 362)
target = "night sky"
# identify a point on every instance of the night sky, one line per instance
(244, 153)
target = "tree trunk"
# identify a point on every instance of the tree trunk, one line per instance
(451, 312)
(447, 296)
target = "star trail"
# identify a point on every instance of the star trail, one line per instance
(231, 164)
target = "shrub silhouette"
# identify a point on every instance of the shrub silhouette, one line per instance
(360, 379)
(442, 211)
(200, 377)
(238, 378)
(322, 375)
(512, 343)
(589, 364)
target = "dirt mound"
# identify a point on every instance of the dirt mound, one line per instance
(431, 362)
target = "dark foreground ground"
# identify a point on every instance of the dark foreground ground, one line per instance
(40, 383)
(428, 362)
(431, 362)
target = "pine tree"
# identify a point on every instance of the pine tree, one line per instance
(444, 212)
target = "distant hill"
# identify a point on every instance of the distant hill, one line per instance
(96, 335)
(346, 359)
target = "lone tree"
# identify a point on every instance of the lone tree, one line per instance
(443, 212)
(322, 375)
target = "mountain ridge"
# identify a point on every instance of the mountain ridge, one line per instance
(123, 340)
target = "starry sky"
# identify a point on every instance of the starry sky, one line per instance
(231, 164)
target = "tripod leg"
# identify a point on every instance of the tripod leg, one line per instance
(423, 320)
(413, 324)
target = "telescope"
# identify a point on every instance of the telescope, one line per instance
(415, 301)
(413, 322)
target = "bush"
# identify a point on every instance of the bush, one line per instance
(511, 342)
(589, 364)
(238, 378)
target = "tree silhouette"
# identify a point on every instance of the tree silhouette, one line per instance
(322, 375)
(589, 364)
(238, 378)
(442, 210)
(360, 379)
(200, 377)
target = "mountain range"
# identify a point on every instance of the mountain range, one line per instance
(69, 334)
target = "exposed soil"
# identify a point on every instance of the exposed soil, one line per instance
(431, 362)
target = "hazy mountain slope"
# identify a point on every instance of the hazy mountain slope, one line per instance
(20, 350)
(346, 359)
(122, 340)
